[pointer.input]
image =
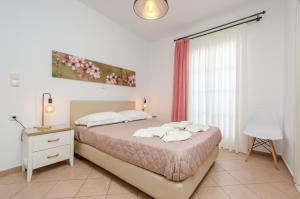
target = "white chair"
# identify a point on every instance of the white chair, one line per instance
(264, 129)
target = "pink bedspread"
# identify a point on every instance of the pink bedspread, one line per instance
(176, 160)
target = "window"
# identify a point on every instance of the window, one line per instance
(215, 65)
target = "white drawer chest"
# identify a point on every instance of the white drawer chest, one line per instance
(45, 147)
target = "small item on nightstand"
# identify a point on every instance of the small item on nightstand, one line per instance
(154, 116)
(49, 108)
(144, 104)
(44, 147)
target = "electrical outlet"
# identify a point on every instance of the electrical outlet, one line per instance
(12, 117)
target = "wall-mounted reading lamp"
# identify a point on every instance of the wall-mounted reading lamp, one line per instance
(144, 104)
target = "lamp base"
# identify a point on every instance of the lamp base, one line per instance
(45, 127)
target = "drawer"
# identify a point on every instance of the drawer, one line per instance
(50, 156)
(52, 140)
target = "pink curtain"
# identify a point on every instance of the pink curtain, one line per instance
(180, 81)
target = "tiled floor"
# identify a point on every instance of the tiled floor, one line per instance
(230, 178)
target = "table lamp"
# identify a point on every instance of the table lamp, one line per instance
(144, 104)
(48, 108)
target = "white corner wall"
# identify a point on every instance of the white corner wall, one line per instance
(29, 31)
(297, 132)
(288, 144)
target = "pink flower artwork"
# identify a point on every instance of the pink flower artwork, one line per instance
(131, 80)
(77, 68)
(82, 67)
(111, 79)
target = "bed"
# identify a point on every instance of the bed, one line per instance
(162, 170)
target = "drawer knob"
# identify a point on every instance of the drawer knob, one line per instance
(56, 140)
(53, 156)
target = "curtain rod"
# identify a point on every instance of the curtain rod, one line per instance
(225, 26)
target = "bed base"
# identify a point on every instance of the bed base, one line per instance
(151, 183)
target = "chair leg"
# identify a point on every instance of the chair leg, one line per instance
(251, 149)
(274, 154)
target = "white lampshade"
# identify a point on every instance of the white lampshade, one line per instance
(150, 9)
(263, 125)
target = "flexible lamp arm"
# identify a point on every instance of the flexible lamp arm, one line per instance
(50, 97)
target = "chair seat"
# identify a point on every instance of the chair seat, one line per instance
(263, 125)
(271, 135)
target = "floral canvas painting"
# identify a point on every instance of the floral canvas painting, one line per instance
(77, 68)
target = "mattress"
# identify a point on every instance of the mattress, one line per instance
(176, 161)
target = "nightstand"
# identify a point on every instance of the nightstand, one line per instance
(44, 147)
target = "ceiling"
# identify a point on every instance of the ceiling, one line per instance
(182, 14)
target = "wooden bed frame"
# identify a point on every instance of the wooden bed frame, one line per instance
(151, 183)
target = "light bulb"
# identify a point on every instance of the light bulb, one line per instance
(49, 108)
(150, 6)
(151, 9)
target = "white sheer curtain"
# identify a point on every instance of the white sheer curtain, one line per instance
(216, 86)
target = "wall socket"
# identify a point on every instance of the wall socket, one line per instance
(12, 117)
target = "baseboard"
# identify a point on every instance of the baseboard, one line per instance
(288, 166)
(10, 171)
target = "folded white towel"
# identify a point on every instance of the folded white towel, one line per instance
(152, 132)
(171, 132)
(144, 133)
(194, 128)
(178, 125)
(176, 135)
(160, 131)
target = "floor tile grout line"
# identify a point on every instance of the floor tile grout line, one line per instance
(50, 189)
(253, 192)
(245, 186)
(272, 185)
(226, 193)
(108, 187)
(80, 188)
(83, 183)
(234, 177)
(286, 180)
(25, 185)
(62, 180)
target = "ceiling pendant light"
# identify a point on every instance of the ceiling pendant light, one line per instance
(151, 9)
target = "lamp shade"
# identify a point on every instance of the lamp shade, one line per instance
(150, 9)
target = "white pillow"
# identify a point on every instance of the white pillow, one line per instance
(133, 115)
(103, 118)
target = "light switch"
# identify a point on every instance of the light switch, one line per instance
(14, 80)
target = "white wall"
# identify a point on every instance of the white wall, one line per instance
(288, 150)
(29, 31)
(160, 78)
(297, 66)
